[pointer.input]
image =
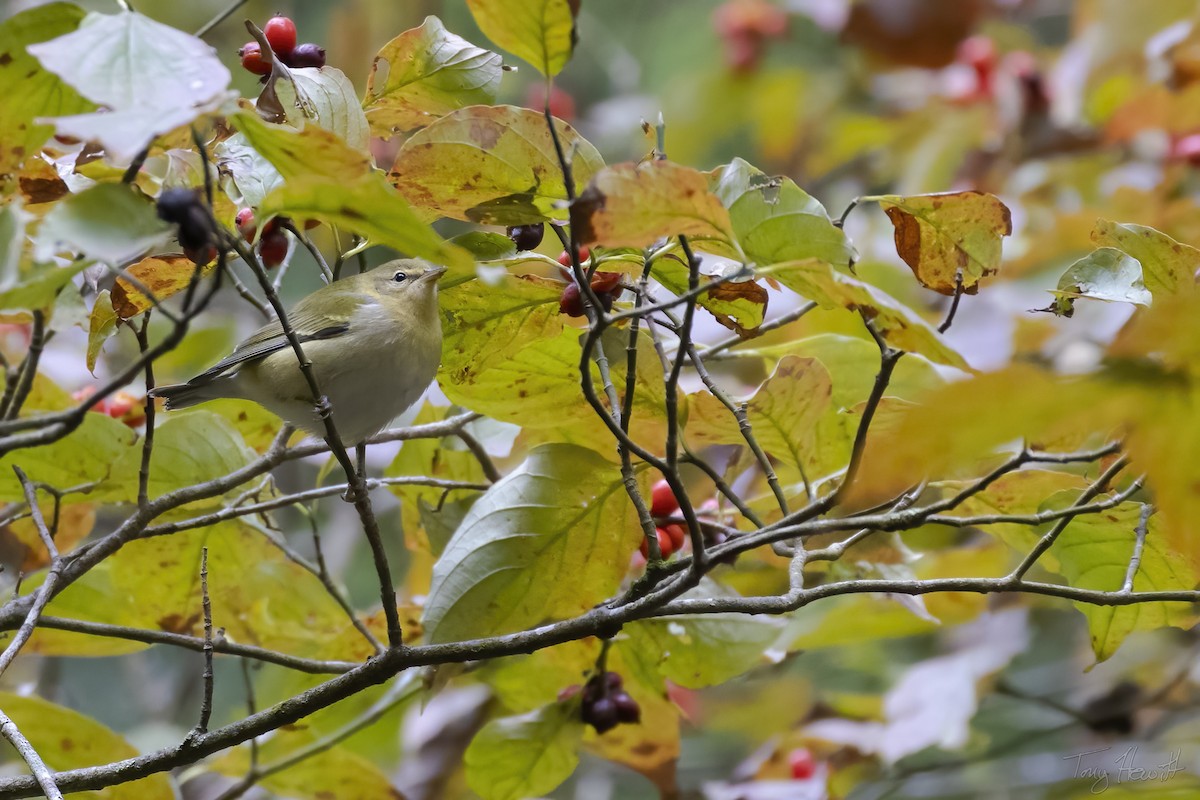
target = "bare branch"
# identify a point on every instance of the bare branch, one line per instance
(41, 772)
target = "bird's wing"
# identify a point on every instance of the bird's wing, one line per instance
(308, 325)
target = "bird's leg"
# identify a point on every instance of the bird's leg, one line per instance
(360, 453)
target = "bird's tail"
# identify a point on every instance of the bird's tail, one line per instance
(186, 395)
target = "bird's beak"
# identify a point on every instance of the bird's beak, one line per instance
(433, 273)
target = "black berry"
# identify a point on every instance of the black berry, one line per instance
(526, 237)
(602, 714)
(183, 208)
(306, 55)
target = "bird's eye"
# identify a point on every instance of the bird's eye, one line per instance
(400, 277)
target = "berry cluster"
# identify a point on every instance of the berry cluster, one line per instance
(280, 33)
(196, 234)
(121, 406)
(671, 537)
(273, 246)
(606, 704)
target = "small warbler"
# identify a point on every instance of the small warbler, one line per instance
(374, 340)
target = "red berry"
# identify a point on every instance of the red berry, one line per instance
(571, 303)
(246, 224)
(665, 546)
(273, 248)
(201, 255)
(252, 59)
(281, 35)
(677, 535)
(564, 257)
(803, 765)
(1187, 149)
(120, 405)
(606, 282)
(562, 105)
(306, 55)
(662, 500)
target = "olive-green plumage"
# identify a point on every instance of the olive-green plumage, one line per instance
(375, 341)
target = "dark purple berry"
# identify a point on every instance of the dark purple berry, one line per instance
(628, 709)
(526, 237)
(306, 55)
(184, 208)
(601, 714)
(613, 680)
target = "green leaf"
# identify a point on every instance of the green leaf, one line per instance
(942, 235)
(783, 411)
(486, 245)
(495, 165)
(548, 541)
(852, 365)
(483, 326)
(29, 91)
(335, 773)
(428, 72)
(634, 205)
(311, 152)
(1106, 274)
(699, 650)
(367, 206)
(66, 739)
(13, 219)
(514, 758)
(1168, 266)
(101, 326)
(738, 305)
(258, 596)
(901, 327)
(775, 220)
(190, 448)
(1021, 493)
(39, 287)
(110, 222)
(324, 97)
(438, 458)
(150, 77)
(253, 176)
(1093, 552)
(541, 32)
(86, 455)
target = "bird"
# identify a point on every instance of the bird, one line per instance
(374, 340)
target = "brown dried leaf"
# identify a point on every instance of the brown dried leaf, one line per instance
(162, 275)
(940, 236)
(634, 205)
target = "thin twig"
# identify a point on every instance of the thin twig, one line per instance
(143, 495)
(1139, 542)
(481, 455)
(30, 756)
(958, 293)
(219, 18)
(37, 342)
(44, 592)
(206, 606)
